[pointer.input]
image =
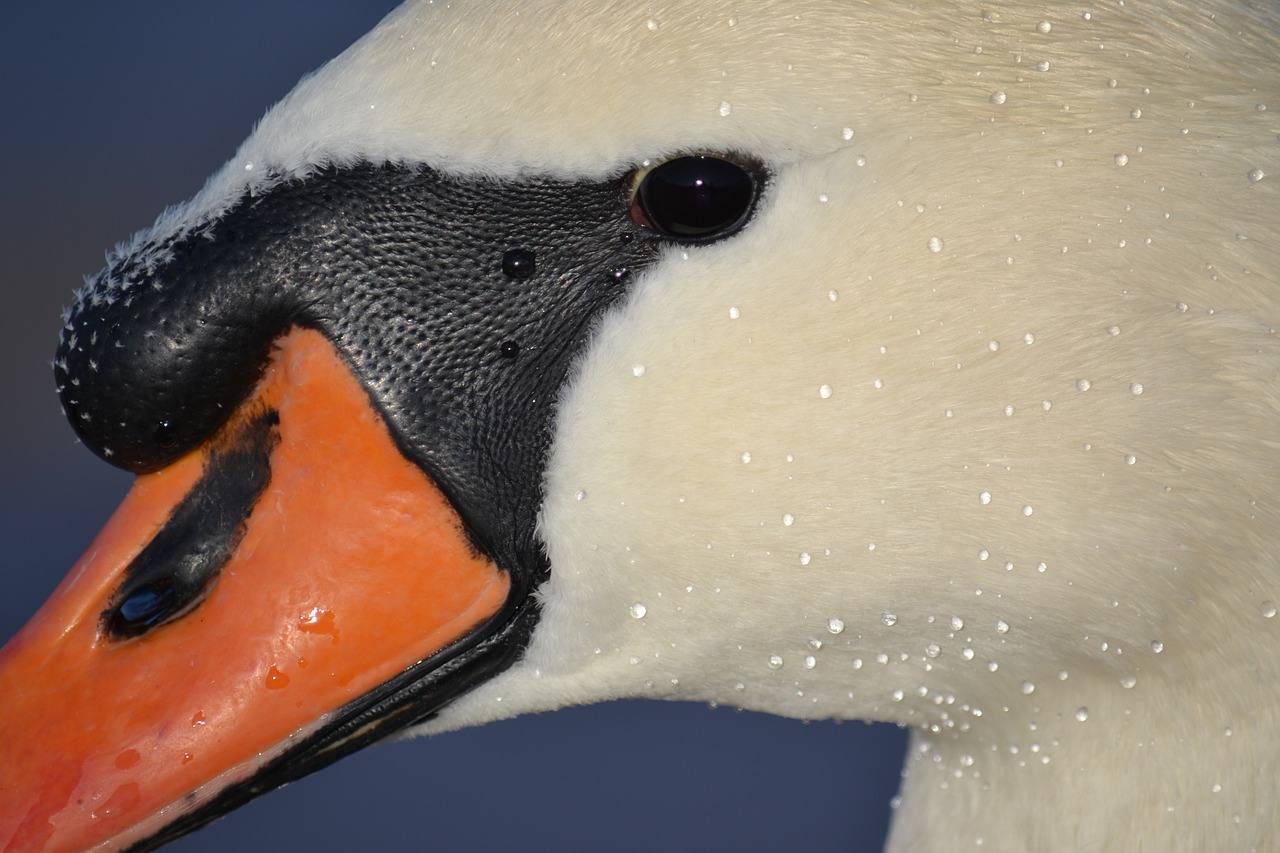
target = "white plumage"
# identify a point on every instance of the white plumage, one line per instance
(974, 428)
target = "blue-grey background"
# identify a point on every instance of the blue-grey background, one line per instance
(109, 112)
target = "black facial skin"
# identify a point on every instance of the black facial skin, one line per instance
(459, 305)
(403, 270)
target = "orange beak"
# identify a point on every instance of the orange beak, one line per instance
(350, 571)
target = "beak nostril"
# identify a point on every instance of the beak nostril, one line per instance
(171, 575)
(144, 608)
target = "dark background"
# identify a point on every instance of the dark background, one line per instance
(109, 112)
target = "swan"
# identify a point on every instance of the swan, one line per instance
(687, 769)
(989, 453)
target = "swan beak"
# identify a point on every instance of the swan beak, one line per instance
(129, 716)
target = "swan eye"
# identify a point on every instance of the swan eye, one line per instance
(697, 197)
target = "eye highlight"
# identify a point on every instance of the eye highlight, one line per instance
(696, 197)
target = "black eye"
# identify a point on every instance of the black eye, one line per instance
(693, 198)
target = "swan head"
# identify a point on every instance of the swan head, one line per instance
(957, 415)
